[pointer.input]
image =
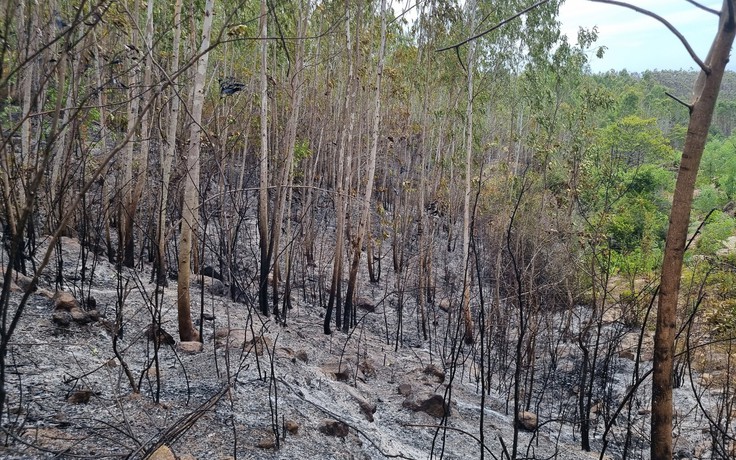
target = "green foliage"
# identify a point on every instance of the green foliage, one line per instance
(718, 166)
(301, 150)
(708, 198)
(636, 224)
(717, 230)
(636, 141)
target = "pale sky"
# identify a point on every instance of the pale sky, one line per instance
(637, 42)
(634, 41)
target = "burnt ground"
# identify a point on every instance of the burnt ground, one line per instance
(342, 396)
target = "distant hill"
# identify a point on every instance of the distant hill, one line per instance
(680, 82)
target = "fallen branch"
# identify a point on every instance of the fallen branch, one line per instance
(181, 426)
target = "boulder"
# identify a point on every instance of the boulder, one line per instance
(433, 405)
(43, 293)
(79, 316)
(435, 371)
(18, 281)
(337, 371)
(266, 443)
(291, 426)
(64, 300)
(212, 273)
(218, 288)
(527, 421)
(23, 281)
(334, 428)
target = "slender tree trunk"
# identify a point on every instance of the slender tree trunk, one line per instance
(141, 175)
(467, 316)
(125, 221)
(190, 209)
(167, 154)
(706, 92)
(342, 183)
(265, 256)
(290, 145)
(369, 177)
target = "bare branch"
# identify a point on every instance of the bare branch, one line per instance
(487, 31)
(676, 99)
(666, 23)
(703, 7)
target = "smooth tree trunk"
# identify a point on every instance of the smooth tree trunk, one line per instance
(190, 208)
(287, 174)
(342, 182)
(265, 256)
(467, 316)
(369, 177)
(705, 95)
(142, 158)
(168, 151)
(125, 219)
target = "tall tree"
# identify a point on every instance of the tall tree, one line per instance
(369, 177)
(296, 71)
(145, 144)
(167, 151)
(342, 180)
(265, 256)
(190, 208)
(467, 315)
(705, 95)
(127, 204)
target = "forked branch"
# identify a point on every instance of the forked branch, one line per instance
(666, 23)
(643, 11)
(456, 46)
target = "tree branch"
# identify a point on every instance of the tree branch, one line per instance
(487, 31)
(676, 99)
(666, 23)
(703, 7)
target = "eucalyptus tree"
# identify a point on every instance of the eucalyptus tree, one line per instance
(146, 134)
(130, 178)
(69, 135)
(342, 174)
(702, 107)
(265, 254)
(362, 231)
(295, 77)
(167, 151)
(190, 207)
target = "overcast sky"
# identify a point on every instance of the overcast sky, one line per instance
(637, 42)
